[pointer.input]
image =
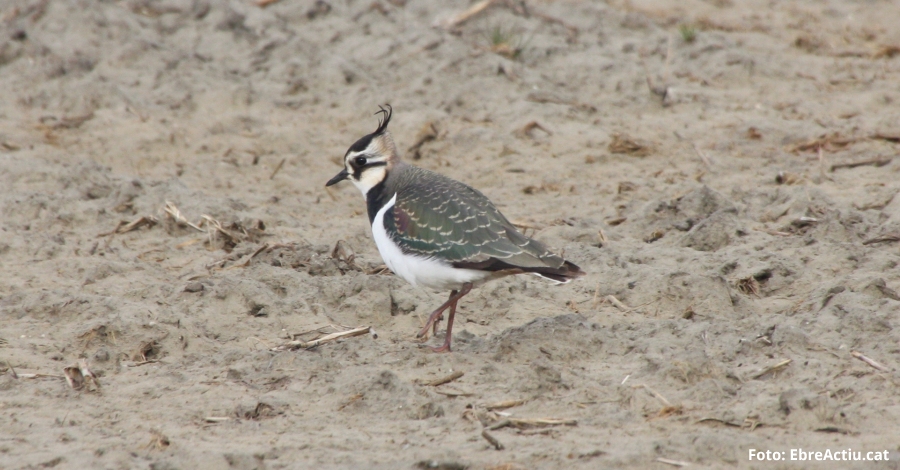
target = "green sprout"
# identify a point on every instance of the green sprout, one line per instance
(688, 32)
(505, 42)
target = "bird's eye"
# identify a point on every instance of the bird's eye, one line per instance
(360, 161)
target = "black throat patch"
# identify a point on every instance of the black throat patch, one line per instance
(376, 198)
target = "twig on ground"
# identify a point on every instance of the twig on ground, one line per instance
(596, 299)
(188, 243)
(773, 232)
(280, 164)
(525, 131)
(141, 363)
(136, 224)
(39, 376)
(829, 142)
(531, 423)
(677, 463)
(772, 368)
(624, 144)
(544, 97)
(318, 332)
(869, 361)
(499, 424)
(890, 237)
(536, 431)
(618, 304)
(464, 16)
(173, 212)
(801, 222)
(702, 156)
(601, 236)
(525, 225)
(656, 394)
(834, 429)
(878, 162)
(453, 393)
(493, 440)
(502, 405)
(823, 165)
(720, 421)
(541, 422)
(246, 261)
(216, 419)
(213, 226)
(890, 136)
(661, 90)
(571, 31)
(297, 344)
(351, 400)
(125, 227)
(331, 194)
(66, 122)
(516, 7)
(444, 380)
(377, 270)
(748, 423)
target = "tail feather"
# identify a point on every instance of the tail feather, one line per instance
(562, 275)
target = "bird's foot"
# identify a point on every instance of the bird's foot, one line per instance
(432, 322)
(443, 348)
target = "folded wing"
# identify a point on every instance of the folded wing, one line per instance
(437, 217)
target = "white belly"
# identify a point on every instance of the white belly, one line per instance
(418, 270)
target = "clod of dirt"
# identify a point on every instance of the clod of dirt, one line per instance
(715, 232)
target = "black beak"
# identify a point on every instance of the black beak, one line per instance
(338, 177)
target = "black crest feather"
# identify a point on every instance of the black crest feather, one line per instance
(384, 120)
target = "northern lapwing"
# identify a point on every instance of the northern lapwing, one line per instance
(436, 232)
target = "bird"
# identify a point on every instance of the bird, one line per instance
(436, 232)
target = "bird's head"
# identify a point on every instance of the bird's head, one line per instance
(367, 162)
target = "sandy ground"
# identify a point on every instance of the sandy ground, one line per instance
(736, 276)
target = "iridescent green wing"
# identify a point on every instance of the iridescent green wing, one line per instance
(435, 216)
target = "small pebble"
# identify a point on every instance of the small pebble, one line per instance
(194, 287)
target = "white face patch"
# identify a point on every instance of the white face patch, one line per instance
(368, 173)
(369, 178)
